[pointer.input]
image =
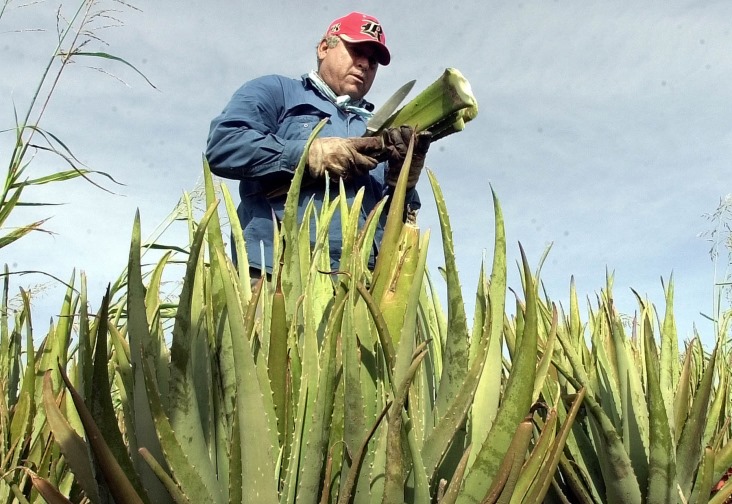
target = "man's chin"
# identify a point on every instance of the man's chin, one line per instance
(355, 93)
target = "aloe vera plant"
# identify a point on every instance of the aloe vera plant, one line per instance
(654, 430)
(443, 107)
(348, 386)
(355, 386)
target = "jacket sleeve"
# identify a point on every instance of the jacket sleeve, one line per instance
(243, 141)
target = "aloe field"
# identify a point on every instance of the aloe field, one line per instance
(351, 386)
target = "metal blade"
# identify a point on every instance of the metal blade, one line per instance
(388, 108)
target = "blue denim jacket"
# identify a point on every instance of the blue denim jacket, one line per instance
(259, 138)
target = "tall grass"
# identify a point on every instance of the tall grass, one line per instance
(719, 237)
(76, 32)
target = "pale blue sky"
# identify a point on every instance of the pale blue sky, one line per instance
(603, 128)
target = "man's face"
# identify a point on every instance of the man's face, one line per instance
(349, 69)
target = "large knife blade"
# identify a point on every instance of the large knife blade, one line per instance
(387, 109)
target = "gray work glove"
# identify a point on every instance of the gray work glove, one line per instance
(396, 142)
(344, 157)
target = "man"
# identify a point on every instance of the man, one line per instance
(260, 137)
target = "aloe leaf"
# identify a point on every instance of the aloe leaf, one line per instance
(382, 329)
(392, 230)
(585, 463)
(170, 485)
(442, 435)
(716, 408)
(185, 415)
(421, 392)
(349, 222)
(101, 407)
(722, 496)
(487, 395)
(181, 466)
(576, 481)
(73, 447)
(440, 323)
(402, 276)
(335, 463)
(320, 411)
(17, 493)
(49, 492)
(21, 422)
(277, 358)
(121, 355)
(357, 460)
(368, 231)
(205, 326)
(669, 357)
(119, 485)
(140, 341)
(723, 460)
(704, 478)
(634, 412)
(518, 392)
(291, 276)
(395, 474)
(213, 231)
(547, 355)
(531, 472)
(304, 253)
(289, 487)
(54, 351)
(480, 311)
(505, 480)
(621, 484)
(85, 344)
(662, 463)
(582, 448)
(403, 318)
(189, 401)
(689, 448)
(354, 408)
(234, 481)
(575, 324)
(242, 260)
(546, 476)
(609, 386)
(682, 397)
(9, 347)
(449, 94)
(419, 475)
(255, 410)
(455, 357)
(451, 494)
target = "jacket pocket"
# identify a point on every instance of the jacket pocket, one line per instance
(300, 122)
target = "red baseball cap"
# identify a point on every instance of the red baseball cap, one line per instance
(356, 28)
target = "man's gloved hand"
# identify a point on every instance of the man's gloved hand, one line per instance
(396, 143)
(344, 157)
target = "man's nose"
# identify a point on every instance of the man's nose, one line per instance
(362, 62)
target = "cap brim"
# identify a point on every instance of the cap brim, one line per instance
(383, 56)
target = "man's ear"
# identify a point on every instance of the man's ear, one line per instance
(322, 49)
